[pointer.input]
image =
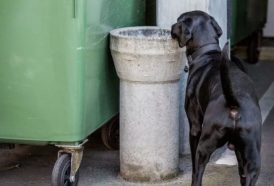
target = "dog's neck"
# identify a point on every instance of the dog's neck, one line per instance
(192, 53)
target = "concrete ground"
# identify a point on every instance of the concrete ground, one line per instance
(32, 165)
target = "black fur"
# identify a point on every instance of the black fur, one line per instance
(220, 103)
(231, 100)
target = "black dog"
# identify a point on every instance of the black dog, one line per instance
(221, 104)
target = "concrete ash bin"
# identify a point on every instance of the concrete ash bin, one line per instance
(149, 64)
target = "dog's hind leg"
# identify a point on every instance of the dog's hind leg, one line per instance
(251, 164)
(240, 167)
(208, 143)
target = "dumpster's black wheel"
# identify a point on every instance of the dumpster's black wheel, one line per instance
(110, 134)
(254, 47)
(61, 172)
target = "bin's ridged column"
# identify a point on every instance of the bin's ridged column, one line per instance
(149, 67)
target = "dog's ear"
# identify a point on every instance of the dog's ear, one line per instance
(216, 27)
(226, 51)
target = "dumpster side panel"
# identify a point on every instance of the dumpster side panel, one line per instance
(39, 74)
(248, 16)
(57, 79)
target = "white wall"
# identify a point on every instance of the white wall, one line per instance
(269, 27)
(167, 13)
(169, 10)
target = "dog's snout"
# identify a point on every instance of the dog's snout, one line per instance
(173, 31)
(173, 35)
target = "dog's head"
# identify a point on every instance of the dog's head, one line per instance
(195, 29)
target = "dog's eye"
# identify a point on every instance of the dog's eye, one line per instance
(188, 21)
(186, 32)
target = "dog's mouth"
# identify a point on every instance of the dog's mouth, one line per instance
(175, 36)
(181, 45)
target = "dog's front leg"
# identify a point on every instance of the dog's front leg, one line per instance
(195, 127)
(203, 153)
(194, 136)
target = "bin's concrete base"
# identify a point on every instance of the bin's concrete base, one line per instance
(149, 130)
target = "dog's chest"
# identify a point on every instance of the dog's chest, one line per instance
(192, 104)
(197, 92)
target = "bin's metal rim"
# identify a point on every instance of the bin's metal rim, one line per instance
(116, 33)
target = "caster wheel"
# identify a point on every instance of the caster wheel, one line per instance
(61, 172)
(110, 134)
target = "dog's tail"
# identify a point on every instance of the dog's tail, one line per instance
(231, 100)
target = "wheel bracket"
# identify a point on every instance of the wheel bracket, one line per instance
(76, 152)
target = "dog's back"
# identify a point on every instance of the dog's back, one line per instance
(231, 114)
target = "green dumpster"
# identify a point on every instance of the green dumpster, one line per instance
(247, 20)
(58, 83)
(248, 16)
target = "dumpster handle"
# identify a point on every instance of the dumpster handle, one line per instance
(74, 8)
